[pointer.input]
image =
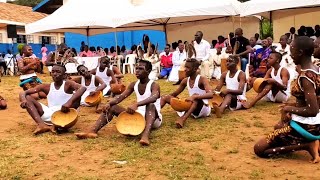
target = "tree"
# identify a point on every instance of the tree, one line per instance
(30, 3)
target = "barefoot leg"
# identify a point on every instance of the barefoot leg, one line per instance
(195, 109)
(264, 92)
(151, 116)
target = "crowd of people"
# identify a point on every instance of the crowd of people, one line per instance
(236, 62)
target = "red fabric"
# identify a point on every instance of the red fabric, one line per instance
(166, 60)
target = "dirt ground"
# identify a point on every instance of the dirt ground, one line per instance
(207, 148)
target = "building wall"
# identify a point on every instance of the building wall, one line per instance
(284, 19)
(213, 28)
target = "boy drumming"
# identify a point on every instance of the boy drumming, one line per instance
(148, 104)
(235, 93)
(60, 96)
(278, 79)
(199, 91)
(94, 84)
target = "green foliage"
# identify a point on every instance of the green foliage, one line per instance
(31, 3)
(266, 29)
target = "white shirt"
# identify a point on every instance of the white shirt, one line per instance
(177, 57)
(202, 50)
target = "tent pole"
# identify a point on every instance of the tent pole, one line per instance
(87, 35)
(165, 32)
(240, 21)
(116, 39)
(233, 23)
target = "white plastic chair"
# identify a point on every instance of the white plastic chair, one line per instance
(130, 62)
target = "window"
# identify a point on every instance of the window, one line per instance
(30, 39)
(21, 39)
(44, 39)
(63, 40)
(53, 40)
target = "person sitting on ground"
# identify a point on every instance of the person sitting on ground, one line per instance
(92, 83)
(287, 137)
(215, 59)
(235, 93)
(148, 104)
(199, 91)
(61, 95)
(3, 103)
(28, 66)
(277, 88)
(166, 62)
(177, 59)
(107, 74)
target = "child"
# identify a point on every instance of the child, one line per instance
(148, 104)
(235, 81)
(3, 103)
(277, 88)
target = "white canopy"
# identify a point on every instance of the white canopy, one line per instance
(79, 17)
(259, 6)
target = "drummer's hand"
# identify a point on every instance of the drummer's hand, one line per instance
(23, 104)
(106, 108)
(192, 98)
(224, 93)
(66, 107)
(92, 93)
(132, 109)
(271, 81)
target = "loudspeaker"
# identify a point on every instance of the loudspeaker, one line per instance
(12, 31)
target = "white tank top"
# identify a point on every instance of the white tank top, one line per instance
(233, 84)
(103, 75)
(57, 97)
(92, 86)
(147, 94)
(195, 89)
(277, 77)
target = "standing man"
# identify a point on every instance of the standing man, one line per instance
(165, 62)
(243, 43)
(178, 58)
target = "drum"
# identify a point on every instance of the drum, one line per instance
(259, 84)
(94, 99)
(130, 124)
(180, 105)
(65, 120)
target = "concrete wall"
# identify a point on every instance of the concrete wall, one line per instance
(284, 19)
(213, 28)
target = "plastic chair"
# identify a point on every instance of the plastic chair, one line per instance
(130, 62)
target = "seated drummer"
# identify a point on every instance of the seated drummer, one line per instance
(304, 113)
(199, 92)
(92, 83)
(148, 104)
(61, 95)
(277, 88)
(28, 66)
(3, 103)
(106, 72)
(235, 93)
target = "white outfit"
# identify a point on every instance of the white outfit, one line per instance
(233, 84)
(26, 76)
(155, 66)
(106, 79)
(280, 96)
(307, 120)
(206, 109)
(142, 109)
(56, 98)
(215, 70)
(177, 60)
(203, 54)
(290, 66)
(91, 87)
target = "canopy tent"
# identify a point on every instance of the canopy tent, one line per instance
(260, 6)
(76, 17)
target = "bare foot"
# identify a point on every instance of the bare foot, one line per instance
(217, 110)
(99, 110)
(247, 105)
(86, 135)
(180, 123)
(313, 150)
(42, 129)
(144, 141)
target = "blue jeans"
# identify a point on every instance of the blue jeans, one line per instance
(165, 72)
(244, 62)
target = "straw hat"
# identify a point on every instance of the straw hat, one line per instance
(217, 99)
(180, 104)
(117, 88)
(94, 99)
(65, 120)
(259, 84)
(130, 124)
